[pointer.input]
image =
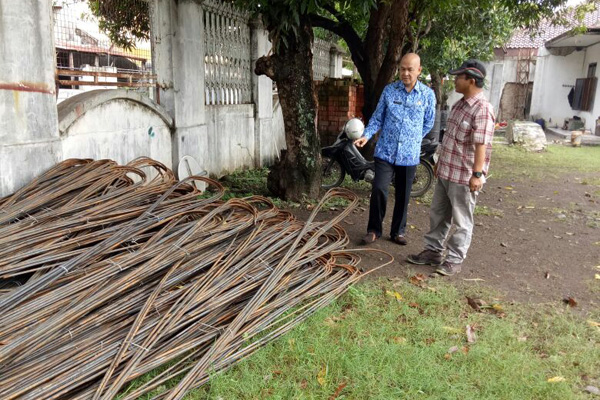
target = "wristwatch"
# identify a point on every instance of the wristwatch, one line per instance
(477, 174)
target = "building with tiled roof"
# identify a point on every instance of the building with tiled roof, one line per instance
(516, 64)
(522, 38)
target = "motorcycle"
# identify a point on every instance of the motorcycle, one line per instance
(342, 158)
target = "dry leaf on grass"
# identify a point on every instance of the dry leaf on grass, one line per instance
(593, 323)
(556, 379)
(303, 384)
(452, 349)
(333, 319)
(322, 375)
(570, 301)
(418, 280)
(397, 295)
(475, 303)
(399, 340)
(497, 308)
(338, 391)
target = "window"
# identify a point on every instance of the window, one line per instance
(591, 70)
(585, 91)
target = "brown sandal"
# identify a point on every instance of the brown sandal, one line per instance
(369, 238)
(400, 239)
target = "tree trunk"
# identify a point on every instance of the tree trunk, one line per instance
(297, 174)
(436, 85)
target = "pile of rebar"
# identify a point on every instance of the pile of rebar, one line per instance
(107, 274)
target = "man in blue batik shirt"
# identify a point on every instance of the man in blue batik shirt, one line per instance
(404, 115)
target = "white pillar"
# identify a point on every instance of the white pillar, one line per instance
(262, 96)
(29, 140)
(335, 62)
(178, 60)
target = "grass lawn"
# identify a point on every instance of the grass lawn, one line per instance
(390, 339)
(513, 162)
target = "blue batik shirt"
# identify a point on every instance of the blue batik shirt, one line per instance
(404, 119)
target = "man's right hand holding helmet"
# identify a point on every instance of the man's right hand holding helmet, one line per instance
(360, 142)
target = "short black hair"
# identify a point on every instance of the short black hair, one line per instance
(479, 82)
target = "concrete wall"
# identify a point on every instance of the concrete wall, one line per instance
(230, 141)
(555, 75)
(28, 120)
(114, 124)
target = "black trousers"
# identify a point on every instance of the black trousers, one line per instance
(404, 177)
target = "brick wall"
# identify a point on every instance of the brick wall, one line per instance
(338, 101)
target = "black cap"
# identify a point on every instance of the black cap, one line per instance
(473, 68)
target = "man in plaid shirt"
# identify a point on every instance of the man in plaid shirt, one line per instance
(461, 170)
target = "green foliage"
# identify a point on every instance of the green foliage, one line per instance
(452, 39)
(124, 21)
(282, 18)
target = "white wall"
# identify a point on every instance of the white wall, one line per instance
(549, 97)
(119, 130)
(115, 124)
(230, 140)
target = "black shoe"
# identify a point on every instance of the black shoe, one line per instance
(448, 269)
(426, 257)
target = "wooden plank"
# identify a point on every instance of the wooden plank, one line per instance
(132, 75)
(117, 84)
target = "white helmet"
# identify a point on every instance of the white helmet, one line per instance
(354, 128)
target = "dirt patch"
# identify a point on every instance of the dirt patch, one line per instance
(533, 241)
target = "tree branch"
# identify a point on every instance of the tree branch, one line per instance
(264, 66)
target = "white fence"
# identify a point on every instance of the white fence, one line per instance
(227, 60)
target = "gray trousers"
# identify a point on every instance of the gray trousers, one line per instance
(452, 203)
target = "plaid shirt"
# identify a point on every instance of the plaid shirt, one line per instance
(470, 122)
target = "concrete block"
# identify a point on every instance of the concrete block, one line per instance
(527, 134)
